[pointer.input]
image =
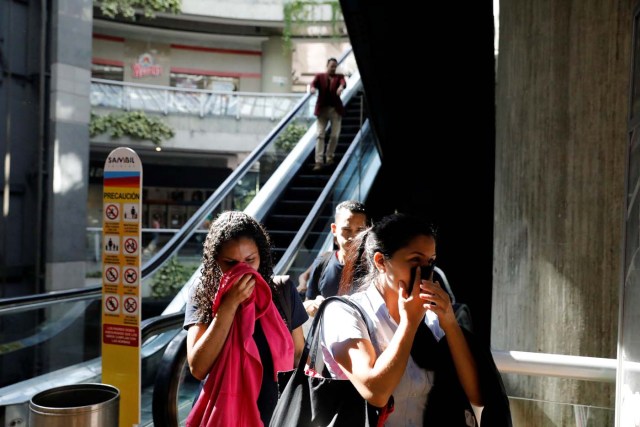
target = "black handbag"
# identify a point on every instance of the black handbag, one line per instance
(312, 401)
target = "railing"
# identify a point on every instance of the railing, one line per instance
(174, 380)
(200, 102)
(541, 401)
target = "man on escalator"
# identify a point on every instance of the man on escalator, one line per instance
(329, 108)
(323, 278)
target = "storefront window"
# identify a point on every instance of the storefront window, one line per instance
(107, 72)
(196, 81)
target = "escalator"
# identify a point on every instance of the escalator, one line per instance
(284, 189)
(287, 215)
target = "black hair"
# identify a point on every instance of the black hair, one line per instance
(391, 233)
(229, 225)
(352, 206)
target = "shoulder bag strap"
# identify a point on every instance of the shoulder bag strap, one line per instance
(312, 343)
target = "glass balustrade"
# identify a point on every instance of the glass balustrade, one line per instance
(203, 103)
(41, 340)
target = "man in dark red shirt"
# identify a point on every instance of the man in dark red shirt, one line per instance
(329, 108)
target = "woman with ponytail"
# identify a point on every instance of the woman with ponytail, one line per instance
(417, 356)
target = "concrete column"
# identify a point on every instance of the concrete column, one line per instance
(276, 66)
(561, 112)
(68, 153)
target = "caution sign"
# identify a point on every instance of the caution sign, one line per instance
(131, 245)
(131, 211)
(130, 305)
(121, 237)
(130, 276)
(111, 304)
(112, 212)
(112, 244)
(110, 274)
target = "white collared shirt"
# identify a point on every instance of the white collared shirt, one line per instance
(340, 322)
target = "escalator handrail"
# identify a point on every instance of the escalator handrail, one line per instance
(148, 327)
(167, 383)
(21, 392)
(32, 302)
(159, 324)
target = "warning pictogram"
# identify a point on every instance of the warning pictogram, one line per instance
(131, 245)
(111, 303)
(130, 276)
(131, 211)
(111, 243)
(111, 212)
(111, 273)
(130, 305)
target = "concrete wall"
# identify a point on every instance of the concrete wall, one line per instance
(276, 66)
(68, 156)
(561, 95)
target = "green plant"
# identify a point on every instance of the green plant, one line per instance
(171, 278)
(127, 8)
(290, 136)
(134, 124)
(242, 200)
(302, 11)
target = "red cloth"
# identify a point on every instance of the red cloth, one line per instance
(230, 394)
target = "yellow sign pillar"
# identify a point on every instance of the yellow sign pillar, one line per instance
(121, 239)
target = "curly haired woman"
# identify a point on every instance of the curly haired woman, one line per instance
(243, 325)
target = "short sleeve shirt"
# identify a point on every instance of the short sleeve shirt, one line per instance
(341, 322)
(329, 281)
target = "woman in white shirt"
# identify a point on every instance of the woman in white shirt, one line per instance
(388, 363)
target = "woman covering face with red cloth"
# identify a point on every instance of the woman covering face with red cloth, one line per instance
(230, 393)
(227, 295)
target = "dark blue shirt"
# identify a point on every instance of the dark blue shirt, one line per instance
(329, 281)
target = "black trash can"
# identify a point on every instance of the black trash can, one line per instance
(76, 405)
